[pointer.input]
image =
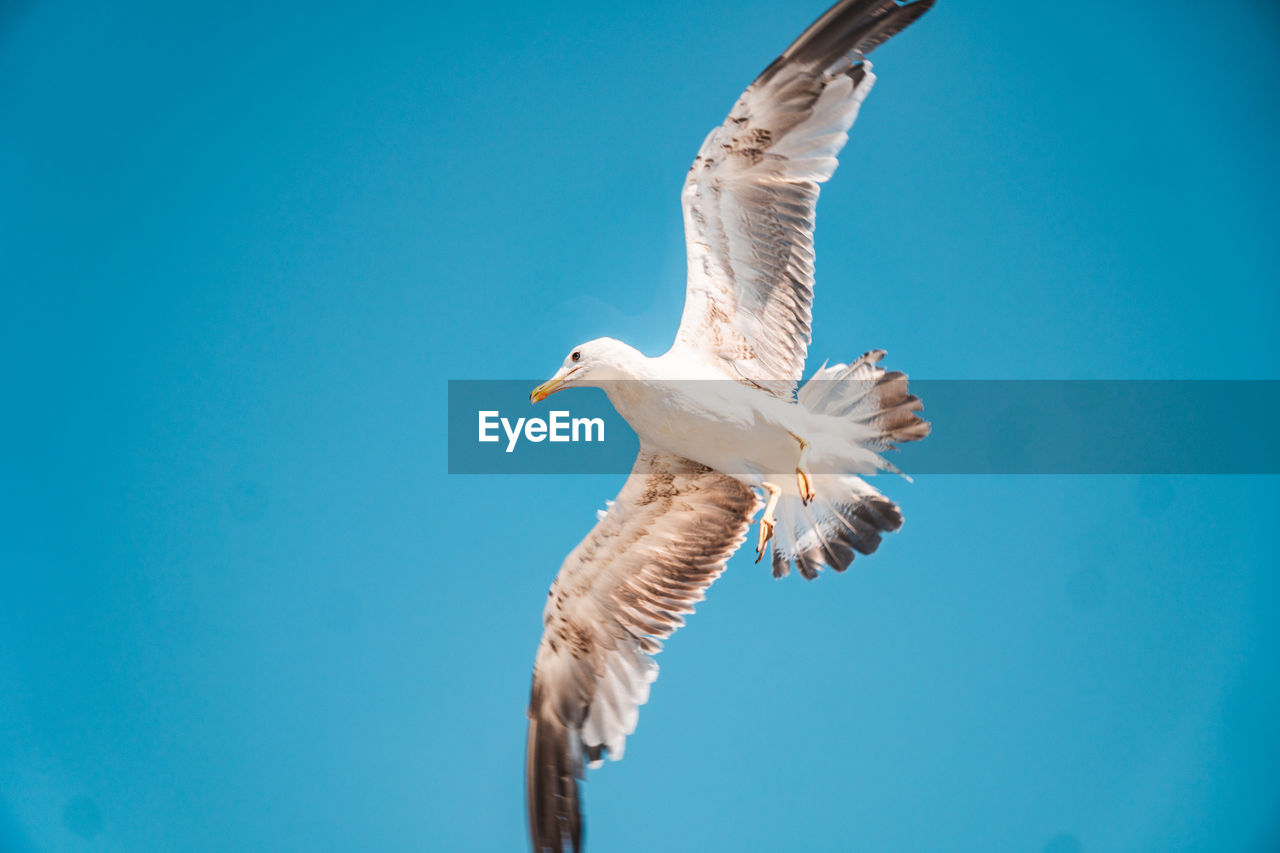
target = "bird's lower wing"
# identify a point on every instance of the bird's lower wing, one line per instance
(650, 558)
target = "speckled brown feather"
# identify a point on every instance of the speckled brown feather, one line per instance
(622, 591)
(750, 195)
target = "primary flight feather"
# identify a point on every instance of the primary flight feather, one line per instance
(720, 417)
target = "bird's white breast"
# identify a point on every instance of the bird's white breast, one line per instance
(725, 425)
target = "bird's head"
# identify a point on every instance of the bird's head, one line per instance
(588, 365)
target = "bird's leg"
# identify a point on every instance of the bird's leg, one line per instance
(766, 520)
(803, 479)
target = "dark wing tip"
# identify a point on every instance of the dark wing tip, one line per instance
(894, 21)
(553, 766)
(849, 27)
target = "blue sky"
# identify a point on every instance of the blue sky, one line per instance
(245, 607)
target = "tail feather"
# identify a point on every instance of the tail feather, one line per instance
(849, 517)
(866, 394)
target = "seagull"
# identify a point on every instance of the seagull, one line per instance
(724, 426)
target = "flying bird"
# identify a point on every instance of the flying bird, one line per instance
(723, 427)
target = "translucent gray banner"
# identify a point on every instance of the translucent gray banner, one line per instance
(978, 427)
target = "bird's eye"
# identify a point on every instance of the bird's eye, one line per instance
(577, 355)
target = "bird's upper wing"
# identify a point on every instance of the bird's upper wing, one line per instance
(749, 197)
(663, 541)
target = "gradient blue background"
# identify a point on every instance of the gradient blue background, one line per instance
(243, 607)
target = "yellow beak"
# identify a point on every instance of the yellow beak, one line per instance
(546, 389)
(551, 386)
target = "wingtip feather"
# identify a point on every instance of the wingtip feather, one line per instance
(553, 766)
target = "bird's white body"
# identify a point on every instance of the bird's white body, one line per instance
(727, 425)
